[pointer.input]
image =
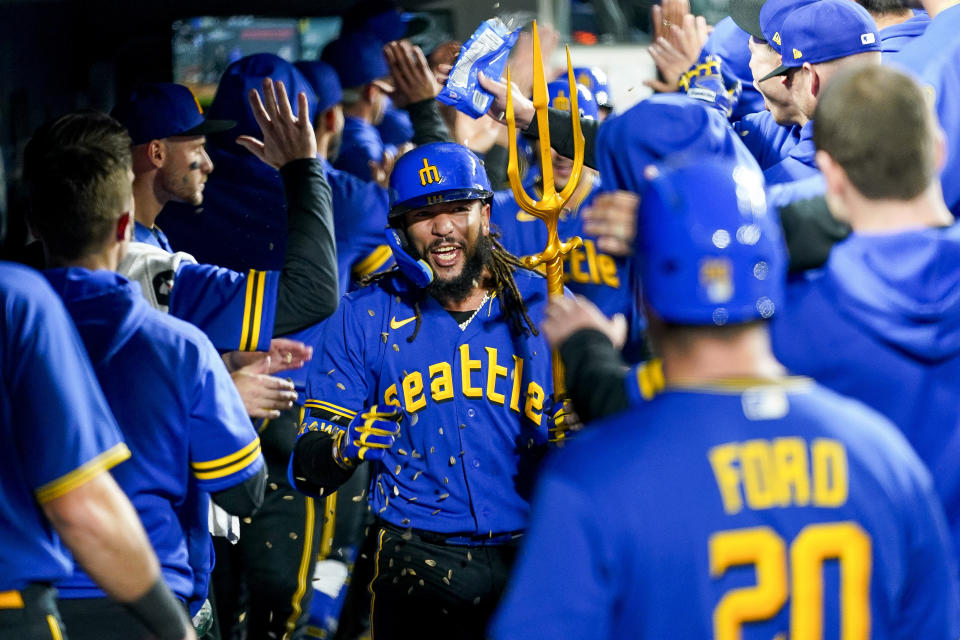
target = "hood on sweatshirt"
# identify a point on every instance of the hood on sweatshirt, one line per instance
(904, 288)
(106, 307)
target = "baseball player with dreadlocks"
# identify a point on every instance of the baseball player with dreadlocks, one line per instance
(436, 374)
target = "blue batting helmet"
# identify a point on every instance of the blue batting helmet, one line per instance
(595, 79)
(710, 250)
(559, 92)
(435, 173)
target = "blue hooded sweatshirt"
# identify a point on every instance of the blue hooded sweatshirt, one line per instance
(881, 322)
(177, 409)
(896, 37)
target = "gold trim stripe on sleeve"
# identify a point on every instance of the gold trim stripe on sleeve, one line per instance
(228, 459)
(248, 301)
(223, 472)
(258, 310)
(372, 263)
(82, 474)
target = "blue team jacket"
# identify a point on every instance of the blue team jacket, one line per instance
(881, 322)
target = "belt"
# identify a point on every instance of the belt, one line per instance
(454, 539)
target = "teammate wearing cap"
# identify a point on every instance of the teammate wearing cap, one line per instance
(175, 403)
(435, 374)
(741, 501)
(236, 310)
(364, 75)
(879, 322)
(589, 271)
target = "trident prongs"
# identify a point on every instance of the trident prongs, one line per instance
(551, 204)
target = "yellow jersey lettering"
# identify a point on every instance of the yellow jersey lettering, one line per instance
(759, 476)
(790, 460)
(782, 472)
(390, 396)
(591, 250)
(607, 270)
(517, 377)
(534, 404)
(413, 398)
(494, 371)
(723, 459)
(466, 366)
(830, 486)
(441, 381)
(574, 259)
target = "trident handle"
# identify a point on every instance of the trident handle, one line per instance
(551, 203)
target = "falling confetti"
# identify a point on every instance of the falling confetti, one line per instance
(370, 311)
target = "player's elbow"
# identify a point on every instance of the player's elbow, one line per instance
(244, 499)
(91, 513)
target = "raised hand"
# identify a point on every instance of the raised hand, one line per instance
(413, 79)
(565, 316)
(285, 137)
(612, 218)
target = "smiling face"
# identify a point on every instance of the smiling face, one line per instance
(446, 234)
(185, 168)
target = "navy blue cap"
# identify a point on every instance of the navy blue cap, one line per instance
(248, 73)
(384, 20)
(825, 30)
(396, 128)
(772, 15)
(162, 110)
(324, 81)
(358, 59)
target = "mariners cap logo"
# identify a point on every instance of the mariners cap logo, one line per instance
(716, 278)
(561, 101)
(584, 79)
(429, 173)
(797, 54)
(776, 38)
(867, 38)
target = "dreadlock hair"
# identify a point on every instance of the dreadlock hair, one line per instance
(502, 264)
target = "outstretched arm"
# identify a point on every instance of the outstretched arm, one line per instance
(308, 288)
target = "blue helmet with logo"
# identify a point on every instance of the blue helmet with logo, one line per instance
(559, 92)
(434, 173)
(710, 251)
(595, 79)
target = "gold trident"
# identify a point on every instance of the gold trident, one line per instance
(550, 205)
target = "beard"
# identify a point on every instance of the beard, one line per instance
(462, 285)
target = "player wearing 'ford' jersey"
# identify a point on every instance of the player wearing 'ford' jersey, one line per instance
(435, 375)
(589, 271)
(782, 509)
(166, 384)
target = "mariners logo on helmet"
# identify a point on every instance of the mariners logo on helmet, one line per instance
(429, 173)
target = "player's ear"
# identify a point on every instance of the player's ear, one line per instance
(124, 223)
(484, 218)
(156, 152)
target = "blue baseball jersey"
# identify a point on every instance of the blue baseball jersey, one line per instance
(797, 163)
(179, 412)
(56, 428)
(361, 144)
(749, 510)
(880, 322)
(768, 141)
(604, 279)
(934, 58)
(359, 217)
(895, 37)
(479, 400)
(235, 310)
(154, 236)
